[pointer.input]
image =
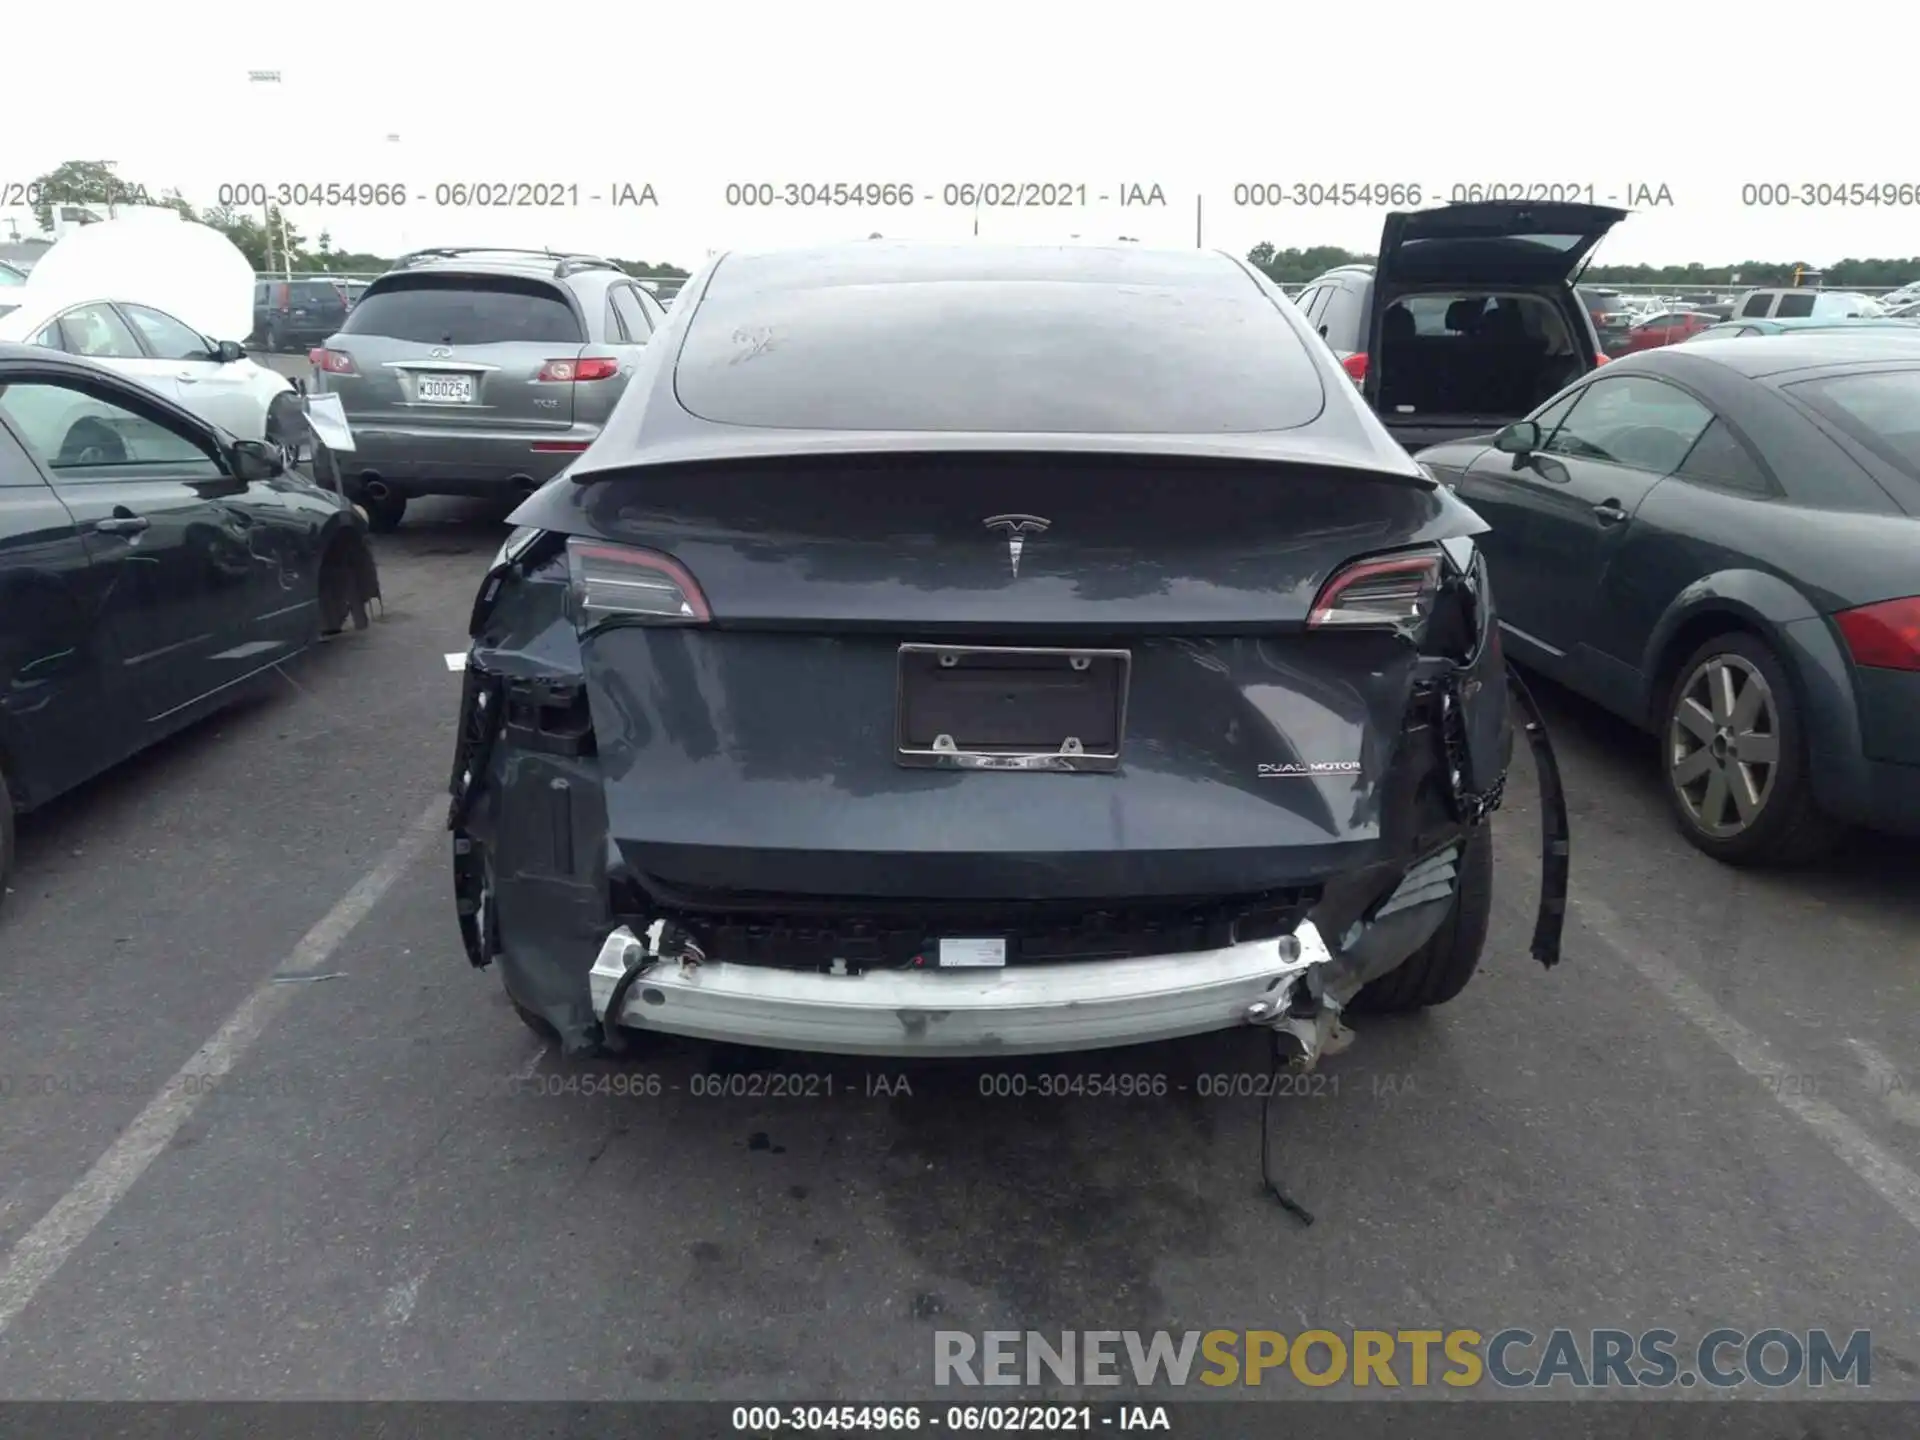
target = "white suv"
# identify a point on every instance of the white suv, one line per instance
(1803, 304)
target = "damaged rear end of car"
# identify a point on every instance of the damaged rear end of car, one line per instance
(982, 741)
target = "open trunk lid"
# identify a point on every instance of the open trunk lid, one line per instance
(1475, 375)
(1491, 243)
(844, 614)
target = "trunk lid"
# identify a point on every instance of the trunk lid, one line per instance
(1511, 243)
(459, 351)
(788, 747)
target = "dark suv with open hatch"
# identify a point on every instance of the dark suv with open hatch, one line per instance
(1469, 318)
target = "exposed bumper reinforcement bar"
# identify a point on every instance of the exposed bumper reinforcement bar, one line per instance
(1017, 1010)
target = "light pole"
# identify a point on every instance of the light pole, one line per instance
(272, 77)
(393, 145)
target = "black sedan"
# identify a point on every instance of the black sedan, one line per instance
(1719, 542)
(150, 566)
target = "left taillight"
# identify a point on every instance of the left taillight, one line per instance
(1885, 636)
(1381, 592)
(1356, 367)
(626, 582)
(1600, 359)
(332, 362)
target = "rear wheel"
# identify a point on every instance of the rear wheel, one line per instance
(1440, 969)
(1733, 756)
(532, 1021)
(272, 341)
(340, 598)
(385, 514)
(487, 917)
(286, 427)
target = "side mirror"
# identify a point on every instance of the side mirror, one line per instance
(228, 351)
(1520, 438)
(257, 460)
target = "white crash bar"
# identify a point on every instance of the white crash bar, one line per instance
(1019, 1009)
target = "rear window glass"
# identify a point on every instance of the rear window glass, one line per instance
(1880, 409)
(1021, 356)
(464, 310)
(315, 291)
(1794, 307)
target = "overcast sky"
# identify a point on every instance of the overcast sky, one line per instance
(1614, 95)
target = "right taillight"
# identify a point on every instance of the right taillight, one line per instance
(332, 362)
(1382, 592)
(625, 582)
(1355, 366)
(567, 372)
(1885, 636)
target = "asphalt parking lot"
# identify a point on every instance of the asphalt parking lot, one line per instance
(1708, 1115)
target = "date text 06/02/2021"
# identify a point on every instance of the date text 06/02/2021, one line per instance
(956, 1419)
(1377, 194)
(1060, 194)
(471, 194)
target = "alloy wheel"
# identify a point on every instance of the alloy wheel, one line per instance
(1723, 745)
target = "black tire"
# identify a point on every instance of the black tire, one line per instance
(287, 428)
(340, 598)
(6, 836)
(1441, 968)
(1788, 828)
(384, 515)
(533, 1022)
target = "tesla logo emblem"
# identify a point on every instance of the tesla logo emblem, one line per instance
(1017, 528)
(440, 352)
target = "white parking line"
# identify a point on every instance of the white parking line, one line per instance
(63, 1229)
(1882, 1171)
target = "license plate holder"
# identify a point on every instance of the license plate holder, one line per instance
(444, 389)
(1020, 708)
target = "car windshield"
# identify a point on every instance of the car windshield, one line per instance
(465, 310)
(1880, 409)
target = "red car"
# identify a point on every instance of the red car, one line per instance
(1666, 328)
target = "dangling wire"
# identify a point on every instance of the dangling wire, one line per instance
(1272, 1186)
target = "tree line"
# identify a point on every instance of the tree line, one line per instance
(268, 239)
(1296, 267)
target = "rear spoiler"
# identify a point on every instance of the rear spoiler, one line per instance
(724, 444)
